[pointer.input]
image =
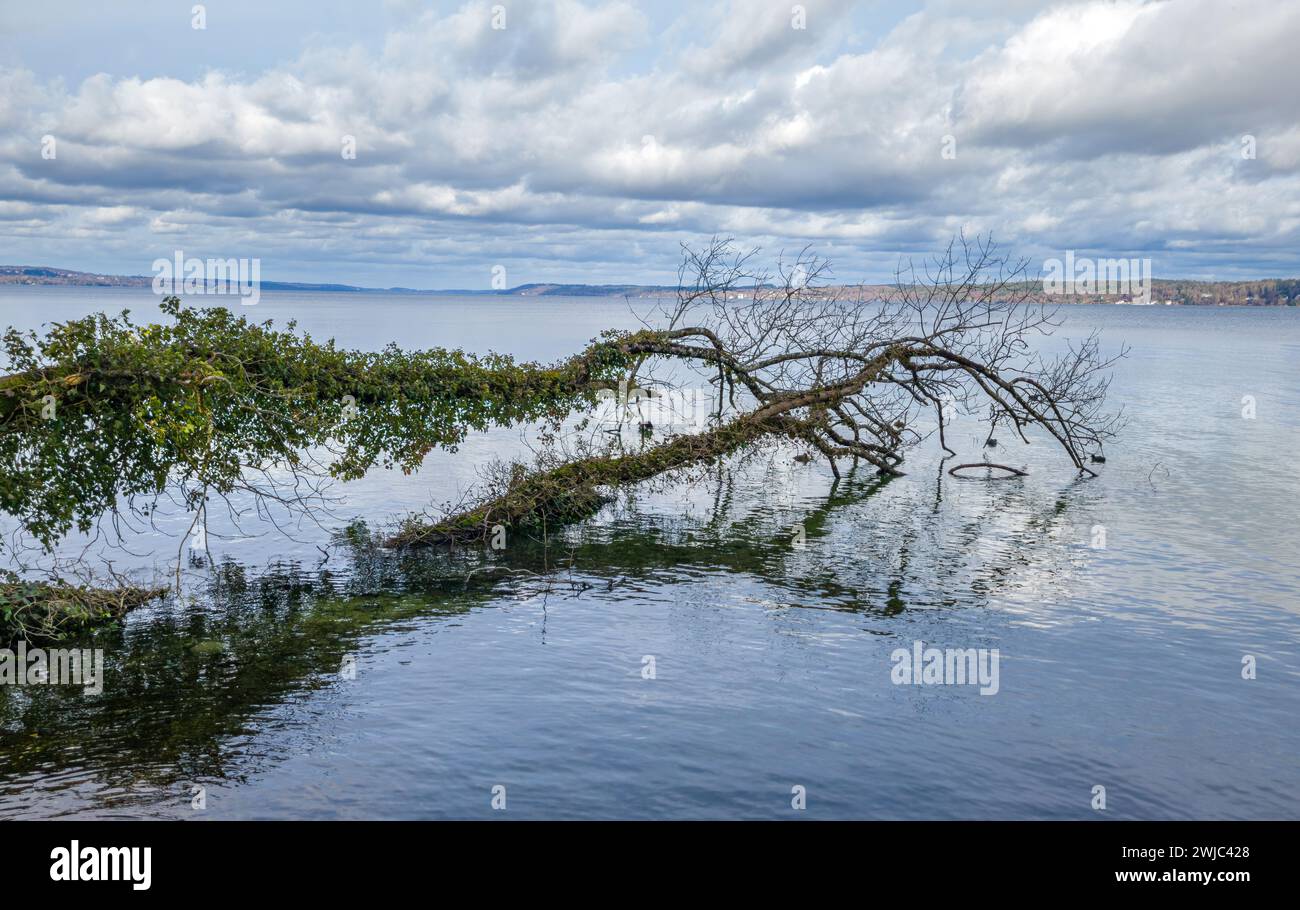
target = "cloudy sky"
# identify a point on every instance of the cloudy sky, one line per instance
(585, 140)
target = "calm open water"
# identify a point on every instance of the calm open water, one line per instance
(1120, 666)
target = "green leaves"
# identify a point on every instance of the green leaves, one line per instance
(198, 403)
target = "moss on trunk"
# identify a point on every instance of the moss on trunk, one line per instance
(577, 490)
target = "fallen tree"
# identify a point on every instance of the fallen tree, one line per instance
(848, 376)
(101, 417)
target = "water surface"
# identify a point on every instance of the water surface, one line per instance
(1119, 666)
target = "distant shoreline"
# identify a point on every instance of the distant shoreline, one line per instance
(1164, 291)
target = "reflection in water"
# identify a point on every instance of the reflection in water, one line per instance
(187, 683)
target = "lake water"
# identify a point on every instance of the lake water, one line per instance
(1120, 666)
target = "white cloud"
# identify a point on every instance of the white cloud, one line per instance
(1113, 126)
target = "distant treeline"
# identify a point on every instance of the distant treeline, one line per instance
(1184, 292)
(1271, 292)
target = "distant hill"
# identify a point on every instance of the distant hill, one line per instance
(47, 275)
(1175, 292)
(39, 274)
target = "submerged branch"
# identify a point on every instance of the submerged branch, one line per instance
(40, 611)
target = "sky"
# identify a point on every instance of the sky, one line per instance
(567, 141)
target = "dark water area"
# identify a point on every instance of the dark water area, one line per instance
(369, 684)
